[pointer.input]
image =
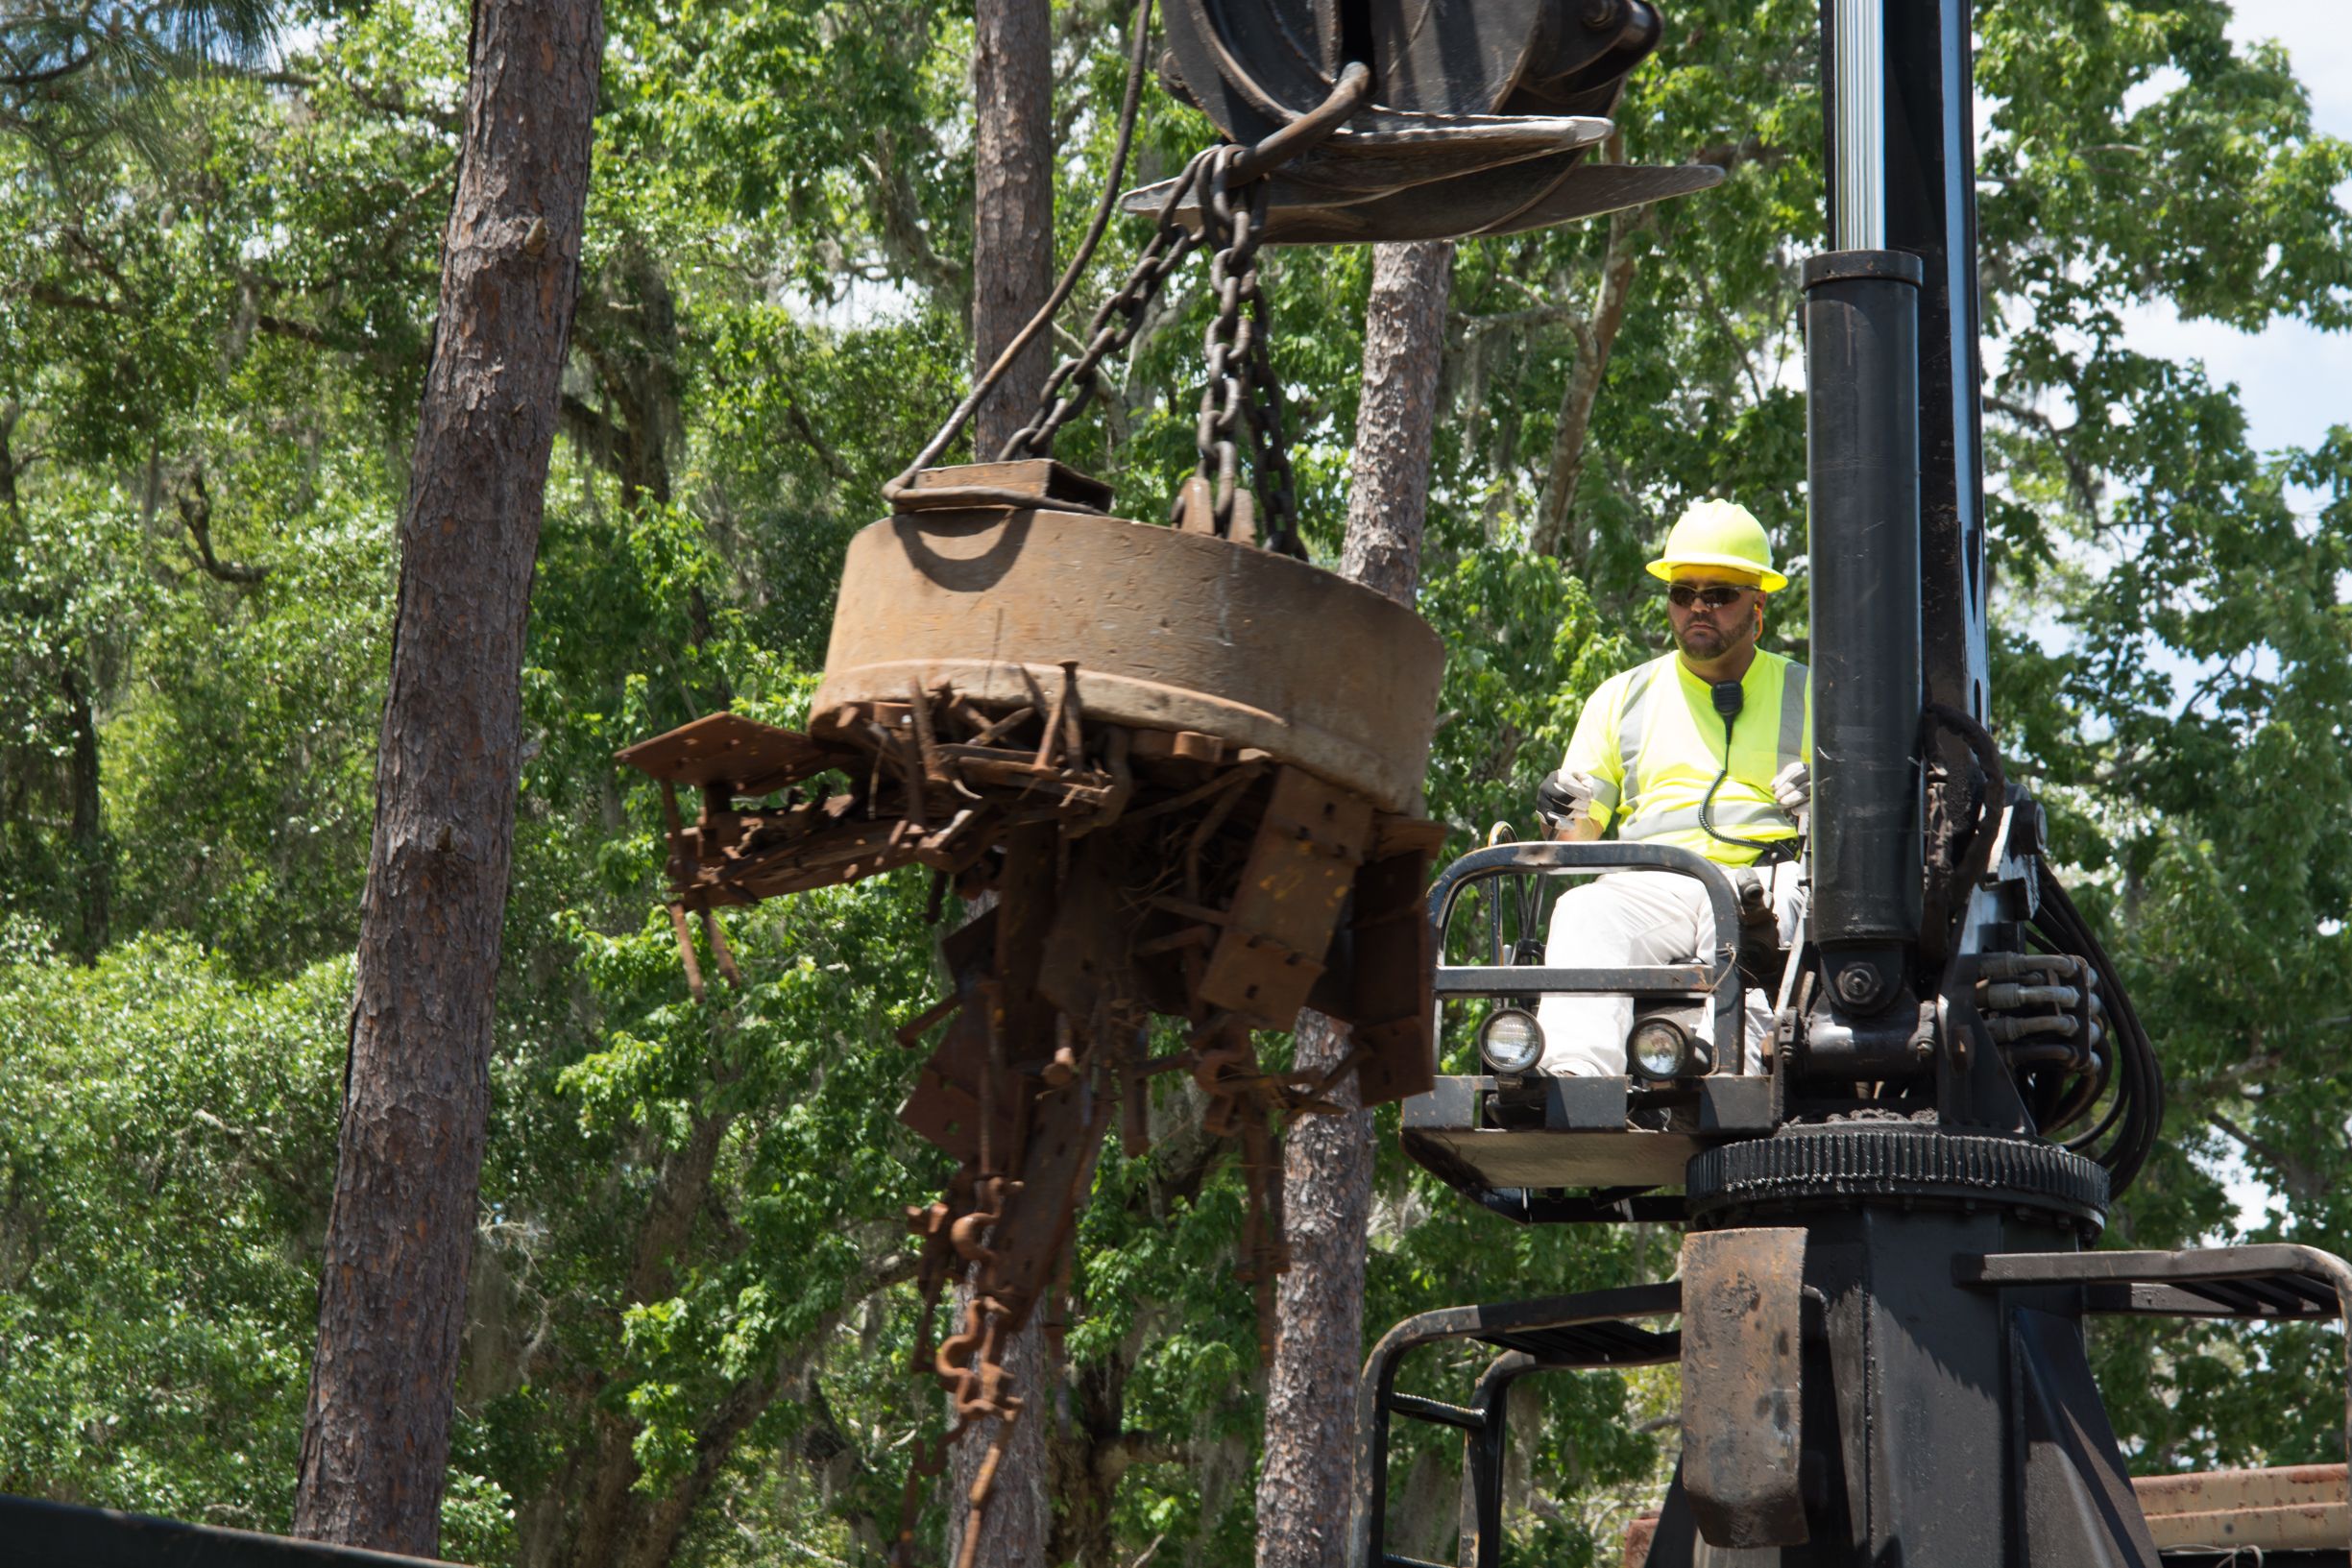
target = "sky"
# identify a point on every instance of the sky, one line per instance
(2293, 382)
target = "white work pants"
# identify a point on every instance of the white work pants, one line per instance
(1640, 917)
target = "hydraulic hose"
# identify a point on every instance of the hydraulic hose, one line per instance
(2136, 1114)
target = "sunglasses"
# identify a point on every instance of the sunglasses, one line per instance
(1716, 597)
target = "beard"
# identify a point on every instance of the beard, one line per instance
(1702, 640)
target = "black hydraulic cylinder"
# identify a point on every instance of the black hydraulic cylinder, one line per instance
(1861, 321)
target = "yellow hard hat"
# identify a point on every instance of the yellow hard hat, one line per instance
(1721, 534)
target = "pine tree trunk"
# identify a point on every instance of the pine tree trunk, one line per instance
(1012, 272)
(400, 1240)
(1012, 221)
(1306, 1482)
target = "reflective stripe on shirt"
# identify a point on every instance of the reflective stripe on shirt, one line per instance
(1792, 715)
(1633, 720)
(1668, 742)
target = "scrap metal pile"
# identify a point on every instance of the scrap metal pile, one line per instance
(1126, 872)
(1111, 737)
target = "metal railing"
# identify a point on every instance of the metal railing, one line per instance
(1716, 977)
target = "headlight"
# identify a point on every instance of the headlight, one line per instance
(1511, 1040)
(1661, 1049)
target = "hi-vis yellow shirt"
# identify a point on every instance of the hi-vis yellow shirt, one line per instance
(1653, 739)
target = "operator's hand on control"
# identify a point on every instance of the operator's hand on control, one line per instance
(1563, 804)
(1792, 787)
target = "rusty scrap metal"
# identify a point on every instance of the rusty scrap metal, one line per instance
(2301, 1508)
(1136, 868)
(1742, 1402)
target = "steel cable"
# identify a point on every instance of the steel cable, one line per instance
(1130, 106)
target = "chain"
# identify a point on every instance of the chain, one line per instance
(1114, 326)
(1233, 280)
(1241, 395)
(969, 1364)
(1241, 383)
(1269, 444)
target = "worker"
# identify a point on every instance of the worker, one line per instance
(1707, 747)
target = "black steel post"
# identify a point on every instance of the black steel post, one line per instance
(1931, 212)
(1941, 1426)
(1861, 318)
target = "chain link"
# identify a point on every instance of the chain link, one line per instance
(1241, 396)
(1241, 385)
(1269, 441)
(1114, 326)
(1225, 346)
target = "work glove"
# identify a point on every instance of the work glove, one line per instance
(1564, 800)
(1793, 789)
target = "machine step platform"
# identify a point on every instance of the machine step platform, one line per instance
(1485, 1135)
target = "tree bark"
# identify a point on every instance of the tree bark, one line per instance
(1012, 273)
(400, 1240)
(1013, 226)
(1596, 336)
(1404, 343)
(1306, 1480)
(9, 413)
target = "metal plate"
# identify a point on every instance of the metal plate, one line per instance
(730, 749)
(1040, 477)
(1534, 1157)
(1587, 1142)
(1353, 167)
(944, 1105)
(1057, 1161)
(1301, 864)
(1535, 193)
(1392, 953)
(1170, 631)
(1742, 1383)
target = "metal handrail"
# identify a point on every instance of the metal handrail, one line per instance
(1700, 979)
(2198, 1266)
(1376, 1392)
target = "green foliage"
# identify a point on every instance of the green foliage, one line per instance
(77, 77)
(164, 1172)
(692, 1295)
